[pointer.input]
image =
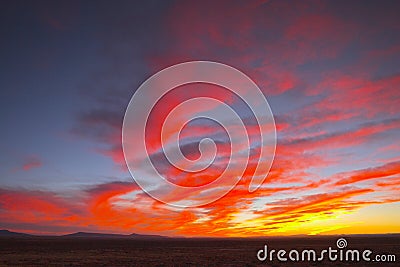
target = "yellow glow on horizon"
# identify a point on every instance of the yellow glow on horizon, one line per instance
(375, 219)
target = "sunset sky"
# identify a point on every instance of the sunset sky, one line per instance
(330, 71)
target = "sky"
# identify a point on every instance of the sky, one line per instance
(329, 69)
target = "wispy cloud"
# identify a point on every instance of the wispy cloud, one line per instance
(31, 162)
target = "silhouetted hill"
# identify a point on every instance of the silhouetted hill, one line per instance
(94, 235)
(101, 235)
(7, 233)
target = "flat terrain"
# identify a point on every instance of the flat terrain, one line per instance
(63, 251)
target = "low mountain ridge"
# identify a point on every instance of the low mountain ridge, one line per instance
(7, 233)
(102, 235)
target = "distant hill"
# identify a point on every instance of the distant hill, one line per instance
(101, 235)
(94, 235)
(7, 233)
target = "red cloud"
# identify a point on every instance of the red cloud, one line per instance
(31, 163)
(387, 170)
(38, 211)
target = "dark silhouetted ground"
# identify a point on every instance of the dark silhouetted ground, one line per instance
(82, 251)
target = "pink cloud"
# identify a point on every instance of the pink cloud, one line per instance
(31, 162)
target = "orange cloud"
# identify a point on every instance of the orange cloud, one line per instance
(387, 170)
